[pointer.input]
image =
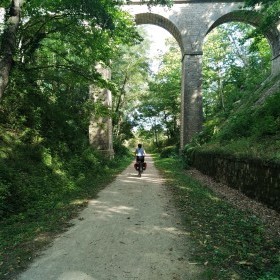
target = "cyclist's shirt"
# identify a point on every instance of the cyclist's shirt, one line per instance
(140, 152)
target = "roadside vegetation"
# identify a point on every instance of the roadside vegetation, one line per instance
(231, 244)
(41, 192)
(48, 170)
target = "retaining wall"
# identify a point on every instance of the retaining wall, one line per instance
(256, 178)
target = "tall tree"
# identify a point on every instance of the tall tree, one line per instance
(130, 71)
(102, 13)
(9, 42)
(160, 108)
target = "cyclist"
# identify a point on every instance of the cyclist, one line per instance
(140, 153)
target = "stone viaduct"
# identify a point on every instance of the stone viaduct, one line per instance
(189, 21)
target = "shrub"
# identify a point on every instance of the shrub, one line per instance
(169, 151)
(265, 126)
(120, 149)
(4, 193)
(238, 126)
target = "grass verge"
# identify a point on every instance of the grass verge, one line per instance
(231, 244)
(24, 234)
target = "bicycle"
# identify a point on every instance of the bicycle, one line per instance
(140, 168)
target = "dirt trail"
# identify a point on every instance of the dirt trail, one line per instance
(131, 231)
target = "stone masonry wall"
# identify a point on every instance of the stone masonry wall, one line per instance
(256, 178)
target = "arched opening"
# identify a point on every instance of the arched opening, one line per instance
(157, 38)
(252, 18)
(150, 18)
(234, 68)
(232, 65)
(161, 106)
(154, 111)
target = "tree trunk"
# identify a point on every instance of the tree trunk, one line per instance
(8, 44)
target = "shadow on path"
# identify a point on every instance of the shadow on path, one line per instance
(129, 232)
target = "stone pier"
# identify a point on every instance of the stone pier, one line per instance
(100, 128)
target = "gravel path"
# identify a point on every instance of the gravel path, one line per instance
(131, 231)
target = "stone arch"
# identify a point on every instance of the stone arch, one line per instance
(252, 18)
(249, 17)
(155, 19)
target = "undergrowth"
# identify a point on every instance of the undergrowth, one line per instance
(40, 191)
(251, 130)
(231, 244)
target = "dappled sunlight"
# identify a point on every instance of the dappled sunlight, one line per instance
(79, 202)
(103, 210)
(185, 188)
(129, 232)
(167, 171)
(111, 192)
(75, 275)
(128, 181)
(42, 237)
(150, 229)
(146, 177)
(213, 197)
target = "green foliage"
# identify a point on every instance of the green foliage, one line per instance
(120, 149)
(32, 176)
(235, 121)
(252, 132)
(273, 275)
(232, 244)
(40, 192)
(129, 74)
(270, 10)
(160, 105)
(232, 66)
(255, 122)
(170, 151)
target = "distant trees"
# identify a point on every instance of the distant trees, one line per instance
(160, 106)
(130, 72)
